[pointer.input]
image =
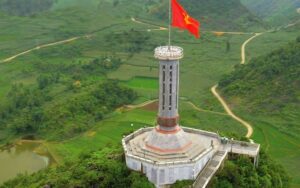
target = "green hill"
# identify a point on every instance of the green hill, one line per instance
(268, 84)
(231, 14)
(266, 93)
(274, 11)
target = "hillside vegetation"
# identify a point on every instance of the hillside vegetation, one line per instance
(106, 168)
(274, 11)
(103, 168)
(268, 84)
(266, 93)
(25, 7)
(267, 174)
(230, 15)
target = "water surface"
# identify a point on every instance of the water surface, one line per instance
(21, 158)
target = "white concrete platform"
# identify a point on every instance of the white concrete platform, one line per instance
(199, 161)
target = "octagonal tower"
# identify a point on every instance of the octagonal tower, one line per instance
(167, 135)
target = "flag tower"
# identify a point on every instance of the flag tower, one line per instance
(169, 152)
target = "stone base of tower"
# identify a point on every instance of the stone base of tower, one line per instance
(165, 158)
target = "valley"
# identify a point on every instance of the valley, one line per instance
(56, 42)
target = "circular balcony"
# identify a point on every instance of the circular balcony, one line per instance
(168, 53)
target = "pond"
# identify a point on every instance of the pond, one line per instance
(24, 157)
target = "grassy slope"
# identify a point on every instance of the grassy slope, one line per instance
(274, 11)
(276, 123)
(207, 68)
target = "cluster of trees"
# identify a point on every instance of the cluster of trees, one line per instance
(78, 69)
(104, 168)
(132, 41)
(268, 83)
(105, 98)
(44, 80)
(25, 7)
(104, 63)
(241, 172)
(33, 111)
(22, 111)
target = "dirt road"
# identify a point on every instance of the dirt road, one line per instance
(230, 113)
(40, 47)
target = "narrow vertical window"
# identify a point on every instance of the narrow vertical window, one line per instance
(170, 100)
(170, 88)
(176, 101)
(163, 101)
(164, 76)
(164, 88)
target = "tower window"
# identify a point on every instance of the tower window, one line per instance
(176, 101)
(170, 88)
(164, 75)
(164, 88)
(171, 67)
(164, 66)
(170, 100)
(163, 101)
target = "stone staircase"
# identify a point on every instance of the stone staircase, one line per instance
(210, 169)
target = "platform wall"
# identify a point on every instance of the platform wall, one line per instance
(160, 174)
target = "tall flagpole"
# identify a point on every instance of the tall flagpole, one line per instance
(170, 24)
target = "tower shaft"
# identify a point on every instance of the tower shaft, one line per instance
(168, 117)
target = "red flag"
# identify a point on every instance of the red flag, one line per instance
(181, 19)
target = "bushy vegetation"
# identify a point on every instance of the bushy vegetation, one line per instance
(28, 111)
(266, 92)
(105, 168)
(276, 12)
(269, 83)
(241, 172)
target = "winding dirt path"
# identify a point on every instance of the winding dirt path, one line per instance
(230, 113)
(243, 48)
(132, 107)
(226, 107)
(40, 47)
(203, 110)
